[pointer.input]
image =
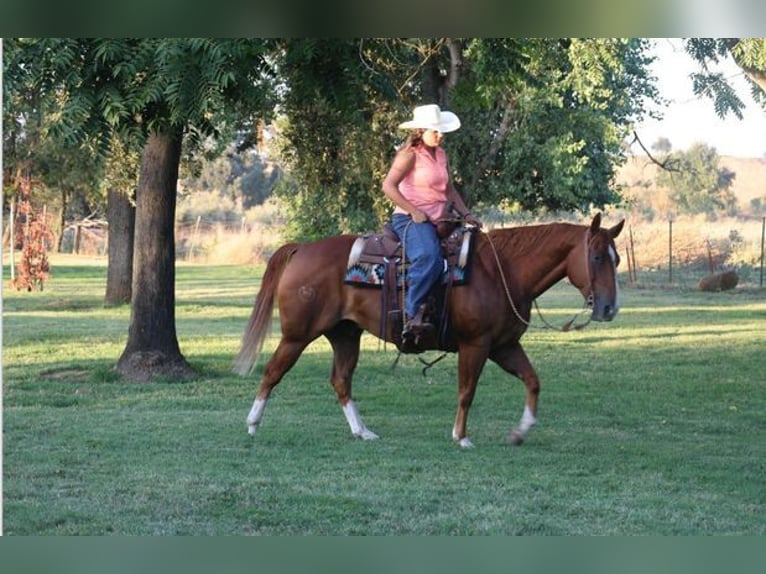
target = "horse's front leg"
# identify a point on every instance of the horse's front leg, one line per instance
(470, 363)
(514, 360)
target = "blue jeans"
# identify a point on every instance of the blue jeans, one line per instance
(424, 254)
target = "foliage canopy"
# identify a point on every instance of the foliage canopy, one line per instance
(697, 183)
(543, 121)
(748, 53)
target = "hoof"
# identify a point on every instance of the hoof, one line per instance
(465, 442)
(251, 429)
(516, 438)
(367, 434)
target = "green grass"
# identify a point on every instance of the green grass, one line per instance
(653, 424)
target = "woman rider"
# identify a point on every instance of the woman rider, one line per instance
(419, 184)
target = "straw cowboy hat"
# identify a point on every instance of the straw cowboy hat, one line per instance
(430, 117)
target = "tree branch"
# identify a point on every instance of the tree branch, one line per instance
(668, 164)
(757, 76)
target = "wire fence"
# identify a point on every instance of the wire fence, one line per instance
(675, 253)
(695, 254)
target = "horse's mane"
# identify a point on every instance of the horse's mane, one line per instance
(530, 238)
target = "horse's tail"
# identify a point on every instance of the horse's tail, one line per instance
(260, 319)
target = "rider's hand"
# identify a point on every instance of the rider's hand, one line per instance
(471, 219)
(419, 217)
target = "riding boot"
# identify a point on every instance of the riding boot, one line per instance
(417, 326)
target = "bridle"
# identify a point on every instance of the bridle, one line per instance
(569, 325)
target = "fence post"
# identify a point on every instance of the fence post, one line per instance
(763, 233)
(193, 238)
(77, 237)
(12, 234)
(670, 250)
(632, 255)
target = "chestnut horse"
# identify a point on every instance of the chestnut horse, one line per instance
(489, 315)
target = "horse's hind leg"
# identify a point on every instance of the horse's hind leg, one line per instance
(281, 361)
(345, 339)
(514, 360)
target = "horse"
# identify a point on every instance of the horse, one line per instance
(511, 267)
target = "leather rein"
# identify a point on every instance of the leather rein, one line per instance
(569, 325)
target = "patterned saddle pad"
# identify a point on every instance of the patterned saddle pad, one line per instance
(371, 253)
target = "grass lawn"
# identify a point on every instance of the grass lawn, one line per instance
(652, 424)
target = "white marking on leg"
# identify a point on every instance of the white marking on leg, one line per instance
(255, 416)
(528, 420)
(356, 423)
(464, 442)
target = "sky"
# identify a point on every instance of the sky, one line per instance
(690, 119)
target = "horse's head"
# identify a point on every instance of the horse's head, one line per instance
(592, 268)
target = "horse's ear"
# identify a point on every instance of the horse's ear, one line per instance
(595, 225)
(615, 231)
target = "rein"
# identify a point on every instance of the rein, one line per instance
(569, 325)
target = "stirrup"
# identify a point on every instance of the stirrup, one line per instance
(416, 324)
(418, 333)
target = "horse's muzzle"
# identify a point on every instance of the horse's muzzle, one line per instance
(603, 308)
(604, 312)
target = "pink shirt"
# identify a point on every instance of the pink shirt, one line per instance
(425, 186)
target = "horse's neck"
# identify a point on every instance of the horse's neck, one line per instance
(537, 255)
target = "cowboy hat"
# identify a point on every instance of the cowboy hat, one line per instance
(430, 117)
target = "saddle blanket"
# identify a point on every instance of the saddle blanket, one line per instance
(365, 270)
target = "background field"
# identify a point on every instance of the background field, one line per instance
(653, 424)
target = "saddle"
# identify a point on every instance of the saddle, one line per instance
(377, 261)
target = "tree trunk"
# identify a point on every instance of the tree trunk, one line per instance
(152, 348)
(62, 219)
(435, 85)
(496, 144)
(121, 215)
(431, 80)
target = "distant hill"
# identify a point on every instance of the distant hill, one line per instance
(639, 173)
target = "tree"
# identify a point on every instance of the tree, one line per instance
(662, 145)
(122, 221)
(63, 176)
(152, 348)
(748, 53)
(243, 177)
(557, 112)
(154, 94)
(543, 120)
(334, 137)
(699, 185)
(198, 80)
(120, 182)
(32, 228)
